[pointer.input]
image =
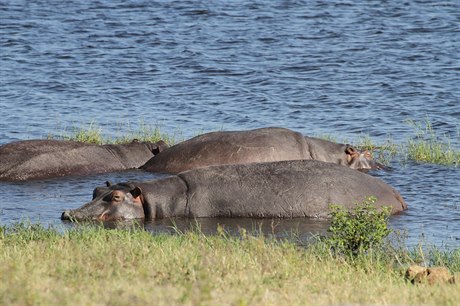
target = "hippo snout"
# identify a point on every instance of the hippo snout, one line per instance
(74, 215)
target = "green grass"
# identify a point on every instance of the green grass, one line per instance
(429, 147)
(94, 266)
(93, 133)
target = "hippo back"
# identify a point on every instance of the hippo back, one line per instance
(41, 159)
(301, 188)
(230, 147)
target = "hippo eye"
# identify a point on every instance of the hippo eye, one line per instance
(117, 198)
(368, 155)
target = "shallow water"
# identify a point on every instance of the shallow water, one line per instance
(340, 68)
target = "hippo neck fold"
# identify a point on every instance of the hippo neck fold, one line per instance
(166, 197)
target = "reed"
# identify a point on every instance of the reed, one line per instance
(90, 265)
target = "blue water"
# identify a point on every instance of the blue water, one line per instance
(341, 68)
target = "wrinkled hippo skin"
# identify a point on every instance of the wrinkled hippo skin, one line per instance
(259, 145)
(42, 159)
(285, 189)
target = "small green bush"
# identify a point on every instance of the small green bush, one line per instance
(358, 230)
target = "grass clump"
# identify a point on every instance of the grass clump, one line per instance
(94, 134)
(429, 147)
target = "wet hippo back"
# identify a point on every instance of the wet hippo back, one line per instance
(259, 145)
(230, 147)
(41, 159)
(282, 189)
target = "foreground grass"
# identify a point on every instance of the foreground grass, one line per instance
(92, 265)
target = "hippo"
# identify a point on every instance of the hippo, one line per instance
(284, 189)
(43, 159)
(258, 145)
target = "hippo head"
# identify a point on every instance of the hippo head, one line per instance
(361, 160)
(114, 202)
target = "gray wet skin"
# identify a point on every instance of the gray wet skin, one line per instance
(285, 189)
(43, 159)
(259, 145)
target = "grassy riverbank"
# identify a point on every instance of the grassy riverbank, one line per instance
(92, 265)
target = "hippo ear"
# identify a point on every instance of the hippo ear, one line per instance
(156, 150)
(160, 146)
(350, 150)
(135, 192)
(108, 183)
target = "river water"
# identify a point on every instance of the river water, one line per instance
(341, 68)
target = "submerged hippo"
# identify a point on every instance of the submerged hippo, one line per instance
(42, 159)
(259, 145)
(285, 189)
